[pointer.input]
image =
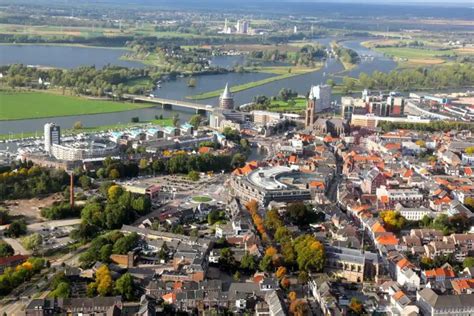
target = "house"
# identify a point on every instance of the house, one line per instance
(430, 303)
(441, 274)
(110, 306)
(11, 261)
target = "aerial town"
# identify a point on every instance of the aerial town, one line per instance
(328, 195)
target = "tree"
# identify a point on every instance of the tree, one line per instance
(32, 242)
(193, 175)
(236, 276)
(163, 253)
(303, 277)
(114, 192)
(6, 250)
(16, 228)
(226, 259)
(248, 262)
(285, 283)
(114, 174)
(63, 290)
(4, 216)
(265, 264)
(103, 280)
(77, 125)
(281, 272)
(271, 251)
(356, 306)
(297, 213)
(331, 82)
(238, 160)
(176, 120)
(143, 164)
(310, 255)
(393, 221)
(105, 253)
(126, 243)
(85, 182)
(468, 262)
(299, 308)
(292, 296)
(195, 121)
(252, 206)
(125, 286)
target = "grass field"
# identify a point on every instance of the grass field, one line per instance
(281, 72)
(282, 106)
(201, 199)
(24, 105)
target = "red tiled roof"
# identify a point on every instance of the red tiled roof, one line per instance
(11, 259)
(440, 272)
(388, 239)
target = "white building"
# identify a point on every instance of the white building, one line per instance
(321, 95)
(52, 135)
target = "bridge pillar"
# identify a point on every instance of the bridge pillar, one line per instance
(167, 106)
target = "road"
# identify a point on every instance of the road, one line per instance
(48, 224)
(17, 246)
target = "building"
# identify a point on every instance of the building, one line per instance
(75, 306)
(351, 264)
(266, 117)
(280, 184)
(319, 100)
(11, 261)
(226, 100)
(150, 190)
(431, 303)
(242, 26)
(52, 135)
(81, 150)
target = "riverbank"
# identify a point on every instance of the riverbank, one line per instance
(94, 129)
(281, 73)
(28, 105)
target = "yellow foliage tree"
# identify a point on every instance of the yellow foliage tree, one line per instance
(103, 280)
(271, 251)
(292, 296)
(281, 272)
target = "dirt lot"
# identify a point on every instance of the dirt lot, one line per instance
(30, 209)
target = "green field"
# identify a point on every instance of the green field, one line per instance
(282, 74)
(282, 106)
(201, 199)
(408, 53)
(24, 105)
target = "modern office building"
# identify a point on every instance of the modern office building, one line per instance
(281, 184)
(319, 100)
(52, 135)
(226, 100)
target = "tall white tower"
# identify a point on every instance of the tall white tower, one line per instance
(52, 135)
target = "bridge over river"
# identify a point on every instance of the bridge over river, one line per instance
(169, 104)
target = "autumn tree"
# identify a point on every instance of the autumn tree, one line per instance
(103, 283)
(393, 221)
(281, 272)
(310, 255)
(356, 306)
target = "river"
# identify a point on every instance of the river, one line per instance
(62, 56)
(72, 56)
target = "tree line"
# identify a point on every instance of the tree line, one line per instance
(23, 181)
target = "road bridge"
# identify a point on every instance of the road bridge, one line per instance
(169, 103)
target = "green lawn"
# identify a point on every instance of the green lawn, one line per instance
(282, 106)
(407, 52)
(201, 199)
(24, 105)
(284, 74)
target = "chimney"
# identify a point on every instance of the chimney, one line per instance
(71, 190)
